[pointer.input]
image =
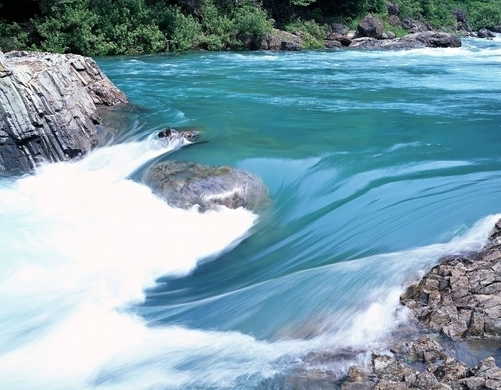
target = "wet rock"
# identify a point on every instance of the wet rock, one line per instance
(411, 41)
(48, 108)
(460, 297)
(484, 33)
(422, 364)
(186, 184)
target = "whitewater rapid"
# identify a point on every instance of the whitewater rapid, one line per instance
(81, 242)
(404, 161)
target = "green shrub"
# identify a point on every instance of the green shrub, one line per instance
(484, 14)
(183, 32)
(12, 37)
(313, 34)
(69, 30)
(127, 27)
(252, 21)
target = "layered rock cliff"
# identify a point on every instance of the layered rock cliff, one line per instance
(48, 108)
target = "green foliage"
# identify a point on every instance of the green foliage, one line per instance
(484, 14)
(12, 36)
(217, 27)
(126, 27)
(312, 33)
(437, 13)
(302, 3)
(105, 27)
(66, 27)
(183, 32)
(222, 25)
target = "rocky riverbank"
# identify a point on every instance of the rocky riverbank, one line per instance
(378, 33)
(458, 299)
(48, 108)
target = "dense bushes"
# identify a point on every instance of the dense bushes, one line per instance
(107, 27)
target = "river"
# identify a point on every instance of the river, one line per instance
(377, 163)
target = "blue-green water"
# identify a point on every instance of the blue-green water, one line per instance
(377, 163)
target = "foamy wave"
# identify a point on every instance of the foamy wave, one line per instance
(83, 242)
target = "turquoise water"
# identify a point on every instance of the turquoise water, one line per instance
(377, 163)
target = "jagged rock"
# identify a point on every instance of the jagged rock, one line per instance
(422, 364)
(370, 27)
(48, 108)
(185, 184)
(461, 296)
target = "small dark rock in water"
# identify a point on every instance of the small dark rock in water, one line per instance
(185, 184)
(171, 134)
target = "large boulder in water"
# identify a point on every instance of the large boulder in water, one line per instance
(185, 184)
(48, 108)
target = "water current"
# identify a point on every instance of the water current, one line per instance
(377, 163)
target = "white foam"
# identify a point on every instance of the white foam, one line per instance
(83, 241)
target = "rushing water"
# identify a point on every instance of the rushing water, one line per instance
(377, 163)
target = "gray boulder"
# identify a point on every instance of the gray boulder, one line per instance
(370, 27)
(185, 184)
(48, 108)
(484, 33)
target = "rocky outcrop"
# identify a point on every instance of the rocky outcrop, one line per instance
(461, 296)
(424, 365)
(186, 184)
(48, 108)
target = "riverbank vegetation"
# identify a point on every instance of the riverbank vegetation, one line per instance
(111, 27)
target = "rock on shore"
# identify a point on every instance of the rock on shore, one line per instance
(461, 296)
(48, 108)
(422, 364)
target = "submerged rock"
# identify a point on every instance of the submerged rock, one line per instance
(48, 108)
(185, 184)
